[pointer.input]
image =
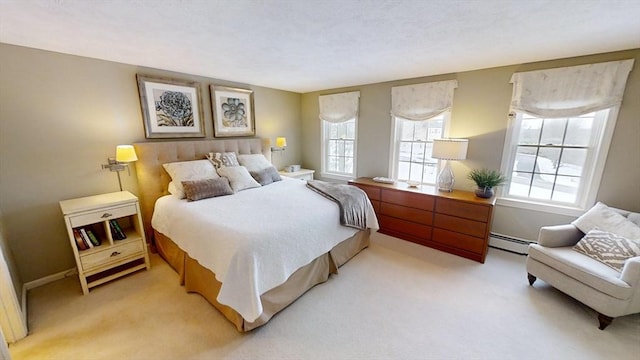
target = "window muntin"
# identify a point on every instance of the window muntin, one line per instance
(339, 148)
(553, 159)
(413, 144)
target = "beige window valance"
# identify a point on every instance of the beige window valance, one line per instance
(338, 108)
(422, 101)
(570, 91)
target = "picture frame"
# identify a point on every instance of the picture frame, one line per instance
(233, 111)
(171, 108)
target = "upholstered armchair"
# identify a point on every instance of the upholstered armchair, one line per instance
(604, 288)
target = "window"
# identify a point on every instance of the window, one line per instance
(339, 121)
(420, 113)
(554, 157)
(339, 146)
(413, 142)
(561, 124)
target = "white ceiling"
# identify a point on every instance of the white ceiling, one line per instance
(308, 45)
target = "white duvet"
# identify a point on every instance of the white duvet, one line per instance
(255, 239)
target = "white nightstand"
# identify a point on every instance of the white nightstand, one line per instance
(302, 174)
(112, 258)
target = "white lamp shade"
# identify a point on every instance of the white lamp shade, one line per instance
(126, 153)
(450, 149)
(281, 142)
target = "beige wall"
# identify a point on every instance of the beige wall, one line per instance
(61, 116)
(480, 108)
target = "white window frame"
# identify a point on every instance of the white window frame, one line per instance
(590, 180)
(394, 159)
(325, 173)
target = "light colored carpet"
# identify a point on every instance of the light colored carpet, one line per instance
(395, 300)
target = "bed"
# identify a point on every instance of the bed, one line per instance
(246, 285)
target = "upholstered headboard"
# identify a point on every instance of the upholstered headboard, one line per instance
(153, 180)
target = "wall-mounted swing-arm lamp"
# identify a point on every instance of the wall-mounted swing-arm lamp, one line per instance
(124, 155)
(281, 144)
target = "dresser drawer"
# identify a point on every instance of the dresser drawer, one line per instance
(416, 215)
(463, 209)
(459, 241)
(372, 192)
(406, 198)
(376, 206)
(469, 227)
(405, 227)
(102, 215)
(112, 254)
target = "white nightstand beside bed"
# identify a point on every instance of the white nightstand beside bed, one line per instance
(302, 174)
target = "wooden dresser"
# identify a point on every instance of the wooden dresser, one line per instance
(457, 222)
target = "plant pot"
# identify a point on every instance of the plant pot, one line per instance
(485, 192)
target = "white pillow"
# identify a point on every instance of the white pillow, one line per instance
(254, 162)
(239, 177)
(188, 170)
(602, 217)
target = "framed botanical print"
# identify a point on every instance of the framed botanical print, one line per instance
(232, 112)
(170, 108)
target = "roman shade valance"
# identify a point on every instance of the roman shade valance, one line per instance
(570, 91)
(337, 108)
(422, 101)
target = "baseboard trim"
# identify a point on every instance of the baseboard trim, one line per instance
(48, 279)
(509, 243)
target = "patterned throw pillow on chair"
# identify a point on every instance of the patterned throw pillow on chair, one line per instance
(610, 249)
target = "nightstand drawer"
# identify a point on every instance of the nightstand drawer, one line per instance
(112, 254)
(102, 215)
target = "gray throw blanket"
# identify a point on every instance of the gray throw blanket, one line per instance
(351, 200)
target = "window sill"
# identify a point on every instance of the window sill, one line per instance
(547, 208)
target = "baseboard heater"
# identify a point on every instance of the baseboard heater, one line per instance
(509, 243)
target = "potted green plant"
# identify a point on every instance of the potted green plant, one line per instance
(486, 180)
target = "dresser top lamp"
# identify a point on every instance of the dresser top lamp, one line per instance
(447, 150)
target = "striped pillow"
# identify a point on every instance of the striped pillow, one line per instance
(610, 249)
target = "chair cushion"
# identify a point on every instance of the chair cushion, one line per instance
(582, 268)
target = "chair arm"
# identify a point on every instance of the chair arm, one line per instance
(559, 235)
(631, 272)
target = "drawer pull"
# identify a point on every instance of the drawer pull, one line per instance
(115, 253)
(106, 215)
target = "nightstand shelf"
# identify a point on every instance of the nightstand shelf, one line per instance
(113, 258)
(302, 174)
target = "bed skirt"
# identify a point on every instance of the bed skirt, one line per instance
(201, 280)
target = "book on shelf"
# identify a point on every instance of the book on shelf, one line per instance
(116, 230)
(79, 242)
(85, 238)
(93, 238)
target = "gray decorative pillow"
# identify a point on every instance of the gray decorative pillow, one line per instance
(610, 249)
(266, 176)
(239, 177)
(206, 188)
(223, 159)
